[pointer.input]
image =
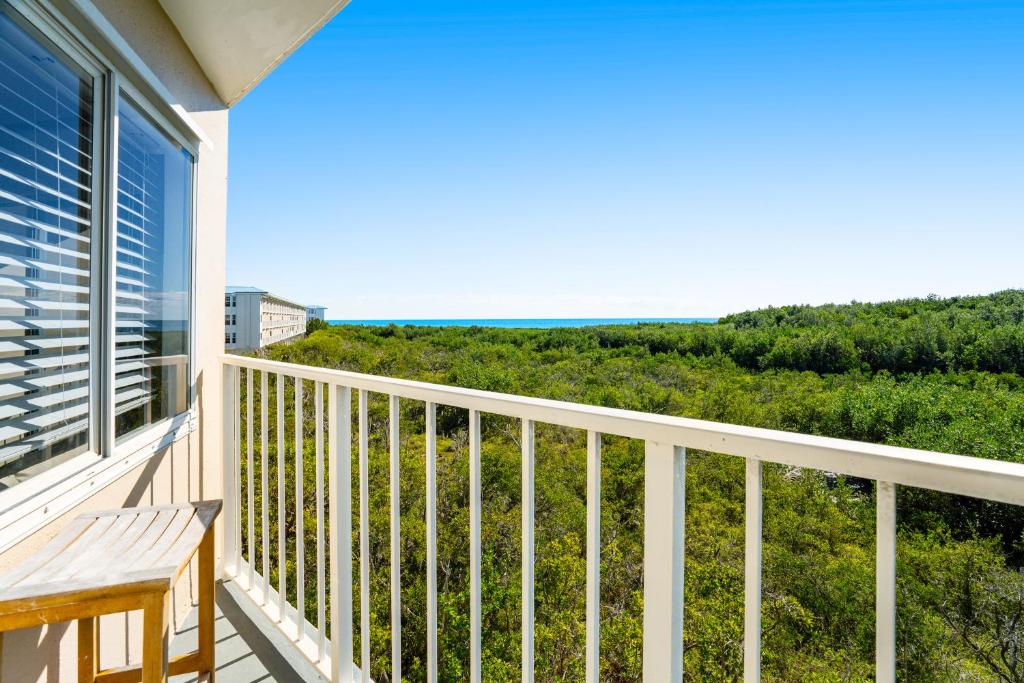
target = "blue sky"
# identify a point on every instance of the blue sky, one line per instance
(614, 158)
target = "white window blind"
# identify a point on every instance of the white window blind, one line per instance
(46, 164)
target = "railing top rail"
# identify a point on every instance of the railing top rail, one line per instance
(956, 474)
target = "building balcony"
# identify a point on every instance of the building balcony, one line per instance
(313, 583)
(299, 526)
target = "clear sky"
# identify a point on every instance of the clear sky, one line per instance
(490, 158)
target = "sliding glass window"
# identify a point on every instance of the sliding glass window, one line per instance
(46, 214)
(78, 375)
(154, 187)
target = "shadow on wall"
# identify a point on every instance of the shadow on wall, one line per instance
(201, 442)
(41, 653)
(42, 639)
(137, 496)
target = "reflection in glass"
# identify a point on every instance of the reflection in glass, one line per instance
(154, 186)
(46, 128)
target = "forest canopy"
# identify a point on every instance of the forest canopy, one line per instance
(931, 373)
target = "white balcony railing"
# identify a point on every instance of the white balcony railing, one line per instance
(666, 440)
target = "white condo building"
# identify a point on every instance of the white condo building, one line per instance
(316, 312)
(254, 318)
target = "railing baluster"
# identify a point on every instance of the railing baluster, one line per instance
(300, 517)
(396, 544)
(321, 617)
(364, 539)
(430, 421)
(593, 654)
(340, 505)
(752, 575)
(230, 436)
(264, 483)
(474, 546)
(885, 579)
(528, 550)
(251, 504)
(237, 473)
(664, 547)
(282, 581)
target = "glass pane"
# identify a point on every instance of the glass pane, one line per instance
(46, 130)
(154, 187)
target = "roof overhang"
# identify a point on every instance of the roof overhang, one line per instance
(238, 42)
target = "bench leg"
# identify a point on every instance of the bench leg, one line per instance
(155, 637)
(206, 603)
(88, 649)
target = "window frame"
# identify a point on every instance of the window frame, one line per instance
(43, 497)
(120, 89)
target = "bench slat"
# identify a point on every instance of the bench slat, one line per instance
(90, 553)
(80, 546)
(109, 553)
(142, 522)
(148, 556)
(52, 549)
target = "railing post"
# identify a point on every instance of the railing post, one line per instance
(664, 544)
(528, 551)
(475, 659)
(394, 443)
(430, 424)
(237, 530)
(593, 603)
(300, 515)
(250, 494)
(340, 544)
(229, 475)
(265, 483)
(885, 583)
(364, 538)
(282, 538)
(321, 556)
(752, 575)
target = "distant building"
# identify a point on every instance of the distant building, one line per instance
(316, 313)
(254, 318)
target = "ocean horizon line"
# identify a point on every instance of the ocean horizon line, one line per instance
(535, 323)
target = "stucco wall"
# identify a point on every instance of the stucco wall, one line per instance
(190, 469)
(248, 320)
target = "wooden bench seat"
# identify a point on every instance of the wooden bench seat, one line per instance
(116, 561)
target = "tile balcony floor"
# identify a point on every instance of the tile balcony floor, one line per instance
(244, 653)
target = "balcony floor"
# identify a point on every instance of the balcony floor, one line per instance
(244, 653)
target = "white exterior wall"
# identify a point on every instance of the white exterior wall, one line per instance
(189, 468)
(247, 305)
(258, 319)
(280, 320)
